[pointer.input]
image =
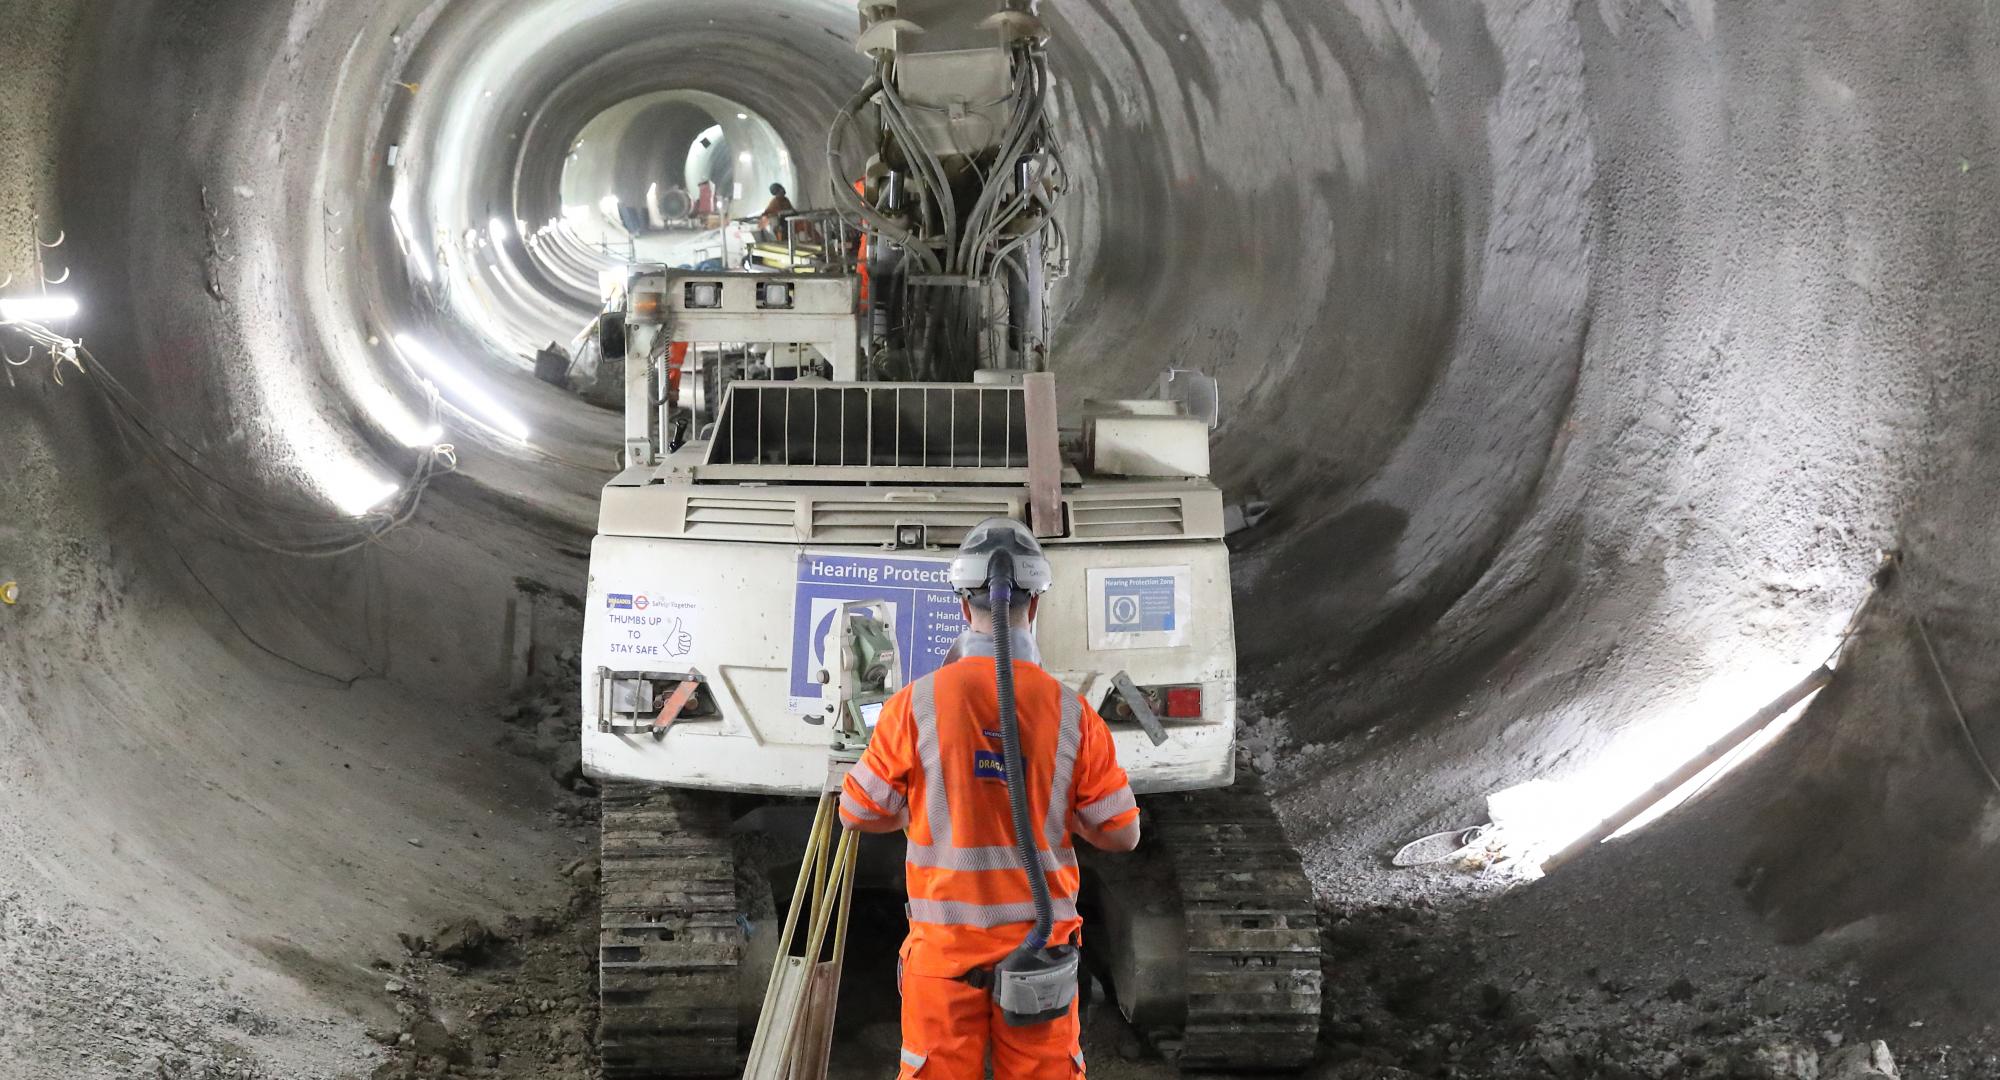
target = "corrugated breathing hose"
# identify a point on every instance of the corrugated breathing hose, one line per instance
(1000, 588)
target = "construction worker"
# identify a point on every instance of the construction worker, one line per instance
(772, 220)
(934, 769)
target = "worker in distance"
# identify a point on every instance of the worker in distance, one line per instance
(771, 222)
(989, 765)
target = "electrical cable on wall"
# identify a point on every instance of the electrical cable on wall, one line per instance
(345, 682)
(268, 524)
(286, 529)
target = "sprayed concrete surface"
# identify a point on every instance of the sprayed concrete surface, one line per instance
(1589, 352)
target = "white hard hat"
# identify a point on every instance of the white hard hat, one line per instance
(970, 568)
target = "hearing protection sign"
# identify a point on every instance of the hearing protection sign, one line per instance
(1140, 607)
(923, 610)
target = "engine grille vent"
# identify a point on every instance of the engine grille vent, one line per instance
(776, 518)
(1129, 518)
(741, 518)
(945, 524)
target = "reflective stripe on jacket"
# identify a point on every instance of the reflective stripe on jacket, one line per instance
(937, 753)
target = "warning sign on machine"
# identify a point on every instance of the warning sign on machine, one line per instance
(649, 627)
(922, 606)
(1141, 607)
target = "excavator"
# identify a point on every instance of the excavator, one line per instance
(805, 445)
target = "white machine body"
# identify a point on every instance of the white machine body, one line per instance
(728, 613)
(726, 561)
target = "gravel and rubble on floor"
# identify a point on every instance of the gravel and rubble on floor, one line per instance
(1616, 968)
(542, 725)
(1413, 991)
(1634, 967)
(513, 1001)
(1421, 991)
(77, 1004)
(1462, 974)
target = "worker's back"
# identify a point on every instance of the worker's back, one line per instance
(937, 748)
(984, 980)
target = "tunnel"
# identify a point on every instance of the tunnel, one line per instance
(1600, 371)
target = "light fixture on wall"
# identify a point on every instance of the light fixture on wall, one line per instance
(38, 309)
(461, 390)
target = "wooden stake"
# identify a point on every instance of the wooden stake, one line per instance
(1044, 454)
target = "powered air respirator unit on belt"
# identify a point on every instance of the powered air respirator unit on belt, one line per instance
(1035, 983)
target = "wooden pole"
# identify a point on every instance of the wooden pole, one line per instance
(1044, 454)
(795, 1029)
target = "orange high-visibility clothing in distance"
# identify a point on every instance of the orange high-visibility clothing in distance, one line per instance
(936, 751)
(677, 354)
(948, 1026)
(861, 249)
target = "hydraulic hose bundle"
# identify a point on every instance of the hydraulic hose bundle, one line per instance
(1035, 983)
(981, 215)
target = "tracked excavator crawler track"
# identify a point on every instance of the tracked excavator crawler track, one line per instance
(670, 942)
(1252, 932)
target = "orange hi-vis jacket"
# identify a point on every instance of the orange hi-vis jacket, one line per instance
(936, 751)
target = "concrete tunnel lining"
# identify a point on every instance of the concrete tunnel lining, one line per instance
(636, 148)
(1589, 352)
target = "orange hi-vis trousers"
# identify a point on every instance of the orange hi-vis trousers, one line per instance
(949, 1027)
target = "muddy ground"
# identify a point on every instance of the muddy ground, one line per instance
(1457, 979)
(1412, 992)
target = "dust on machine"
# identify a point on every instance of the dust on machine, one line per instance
(806, 448)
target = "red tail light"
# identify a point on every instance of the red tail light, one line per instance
(1183, 703)
(1165, 702)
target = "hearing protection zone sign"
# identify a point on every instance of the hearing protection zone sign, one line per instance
(1140, 607)
(922, 608)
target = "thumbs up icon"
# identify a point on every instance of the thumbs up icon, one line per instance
(679, 641)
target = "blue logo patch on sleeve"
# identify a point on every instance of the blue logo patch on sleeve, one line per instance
(987, 765)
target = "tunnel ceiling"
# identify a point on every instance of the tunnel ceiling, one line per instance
(1589, 355)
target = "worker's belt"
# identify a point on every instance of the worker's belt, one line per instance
(978, 978)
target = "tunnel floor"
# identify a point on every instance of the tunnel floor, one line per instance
(1457, 971)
